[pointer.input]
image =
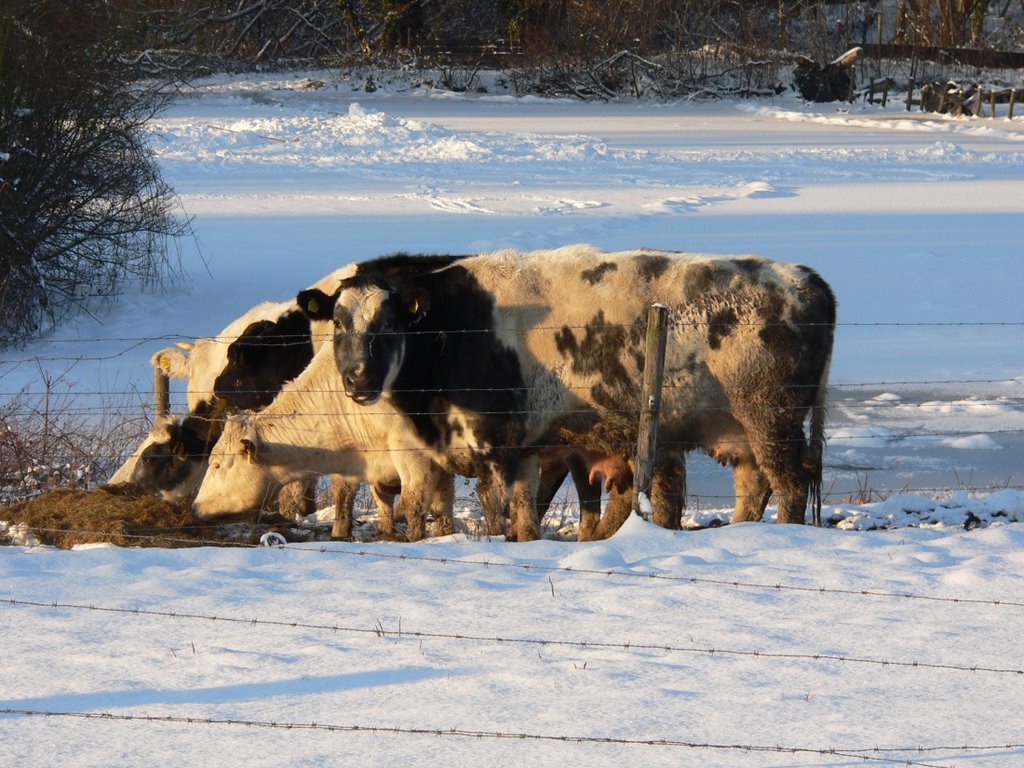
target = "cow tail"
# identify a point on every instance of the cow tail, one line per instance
(816, 452)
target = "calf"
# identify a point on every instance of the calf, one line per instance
(310, 429)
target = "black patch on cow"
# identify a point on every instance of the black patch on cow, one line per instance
(699, 280)
(402, 266)
(651, 267)
(775, 333)
(452, 354)
(814, 319)
(599, 351)
(749, 266)
(315, 304)
(343, 319)
(265, 356)
(164, 465)
(596, 275)
(720, 325)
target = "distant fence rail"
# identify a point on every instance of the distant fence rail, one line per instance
(975, 57)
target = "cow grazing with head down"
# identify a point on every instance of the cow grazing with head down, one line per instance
(502, 357)
(241, 368)
(312, 428)
(170, 461)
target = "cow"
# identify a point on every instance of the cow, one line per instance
(241, 368)
(312, 428)
(502, 357)
(171, 459)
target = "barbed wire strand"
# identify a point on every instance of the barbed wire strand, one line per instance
(301, 338)
(612, 572)
(382, 632)
(865, 754)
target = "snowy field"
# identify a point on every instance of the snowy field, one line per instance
(749, 645)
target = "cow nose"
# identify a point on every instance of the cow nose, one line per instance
(352, 377)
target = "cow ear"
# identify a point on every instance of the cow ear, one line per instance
(249, 450)
(317, 305)
(417, 302)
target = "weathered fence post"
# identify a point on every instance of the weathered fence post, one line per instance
(650, 405)
(1013, 98)
(161, 393)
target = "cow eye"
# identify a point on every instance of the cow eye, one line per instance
(389, 324)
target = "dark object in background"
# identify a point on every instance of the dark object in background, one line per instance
(826, 82)
(951, 98)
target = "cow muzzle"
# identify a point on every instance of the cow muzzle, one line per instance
(361, 388)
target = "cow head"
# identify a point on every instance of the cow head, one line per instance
(171, 460)
(371, 320)
(239, 478)
(263, 357)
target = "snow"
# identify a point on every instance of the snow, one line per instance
(744, 645)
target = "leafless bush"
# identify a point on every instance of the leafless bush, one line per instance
(50, 438)
(709, 72)
(83, 208)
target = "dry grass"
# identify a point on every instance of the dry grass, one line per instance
(68, 517)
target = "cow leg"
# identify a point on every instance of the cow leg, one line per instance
(384, 500)
(297, 500)
(589, 495)
(752, 491)
(780, 457)
(525, 525)
(491, 492)
(416, 497)
(442, 505)
(668, 491)
(791, 481)
(618, 508)
(344, 501)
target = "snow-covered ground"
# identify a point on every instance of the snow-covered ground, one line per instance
(914, 219)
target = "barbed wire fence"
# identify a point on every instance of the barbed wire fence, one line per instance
(126, 412)
(136, 406)
(910, 755)
(875, 754)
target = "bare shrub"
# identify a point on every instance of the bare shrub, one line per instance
(83, 208)
(51, 438)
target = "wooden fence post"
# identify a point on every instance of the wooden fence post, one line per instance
(161, 393)
(650, 405)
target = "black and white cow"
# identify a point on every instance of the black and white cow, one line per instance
(171, 460)
(500, 358)
(241, 368)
